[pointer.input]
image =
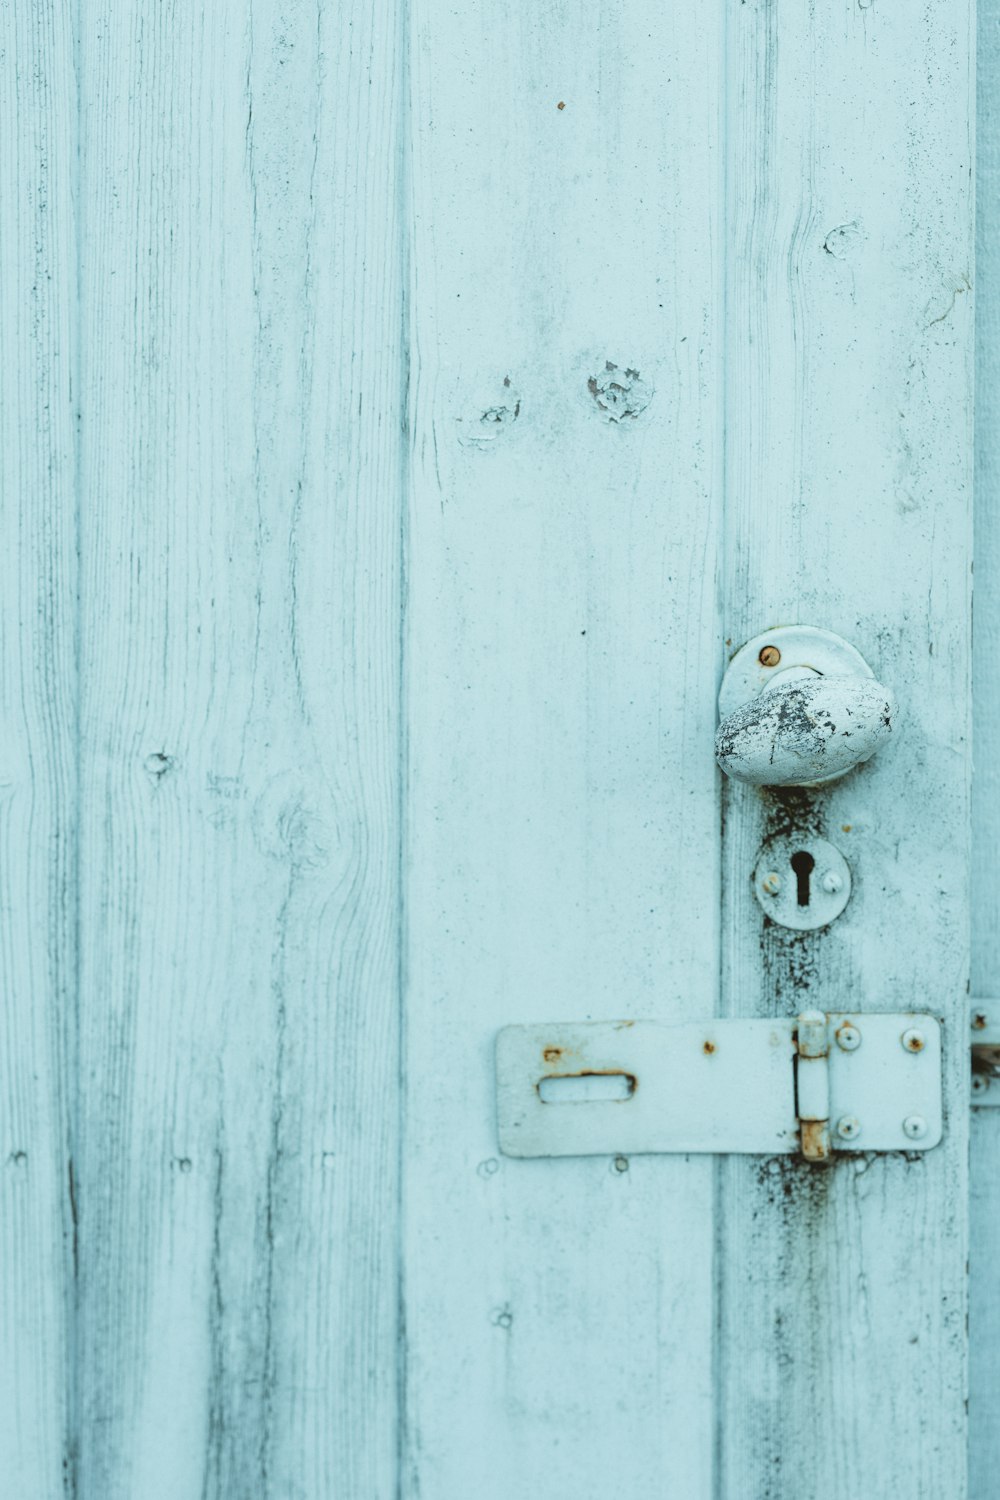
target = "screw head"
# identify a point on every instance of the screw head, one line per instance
(848, 1037)
(979, 1020)
(980, 1083)
(772, 883)
(849, 1128)
(914, 1126)
(913, 1040)
(769, 656)
(832, 883)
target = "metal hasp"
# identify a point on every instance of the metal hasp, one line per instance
(800, 706)
(984, 1024)
(817, 1084)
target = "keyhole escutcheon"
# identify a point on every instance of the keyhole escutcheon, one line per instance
(801, 881)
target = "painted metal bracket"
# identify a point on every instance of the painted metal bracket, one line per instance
(814, 1084)
(985, 1041)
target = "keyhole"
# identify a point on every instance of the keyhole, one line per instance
(803, 864)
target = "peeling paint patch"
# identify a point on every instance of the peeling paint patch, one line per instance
(844, 240)
(620, 395)
(805, 732)
(481, 429)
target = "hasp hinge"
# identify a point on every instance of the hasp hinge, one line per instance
(812, 1085)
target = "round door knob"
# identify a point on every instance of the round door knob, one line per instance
(803, 709)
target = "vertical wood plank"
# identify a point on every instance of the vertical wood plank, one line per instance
(562, 831)
(848, 502)
(38, 397)
(984, 1225)
(242, 482)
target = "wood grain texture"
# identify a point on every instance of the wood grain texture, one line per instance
(634, 333)
(562, 828)
(842, 1304)
(242, 475)
(984, 1211)
(38, 398)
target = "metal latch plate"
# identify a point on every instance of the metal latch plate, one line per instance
(985, 1038)
(597, 1088)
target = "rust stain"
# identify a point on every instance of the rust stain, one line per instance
(602, 1073)
(816, 1140)
(561, 104)
(846, 827)
(553, 1054)
(708, 1048)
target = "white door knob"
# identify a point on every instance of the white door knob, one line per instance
(800, 707)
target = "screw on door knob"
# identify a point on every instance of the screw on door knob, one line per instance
(800, 707)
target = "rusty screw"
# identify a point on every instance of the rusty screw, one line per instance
(849, 1128)
(772, 883)
(979, 1020)
(848, 1037)
(769, 656)
(914, 1126)
(913, 1040)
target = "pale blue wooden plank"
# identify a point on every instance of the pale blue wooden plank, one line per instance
(563, 803)
(848, 506)
(39, 398)
(242, 479)
(984, 1246)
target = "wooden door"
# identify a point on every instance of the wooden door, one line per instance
(407, 410)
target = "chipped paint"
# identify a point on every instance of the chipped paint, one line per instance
(806, 732)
